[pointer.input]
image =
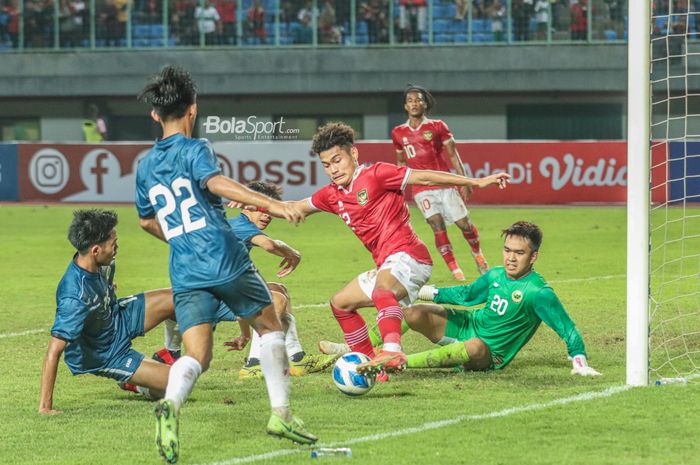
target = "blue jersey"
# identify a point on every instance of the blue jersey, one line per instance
(86, 312)
(245, 230)
(171, 185)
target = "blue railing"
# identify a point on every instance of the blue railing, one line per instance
(99, 24)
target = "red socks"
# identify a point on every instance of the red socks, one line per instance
(473, 238)
(355, 330)
(389, 317)
(442, 242)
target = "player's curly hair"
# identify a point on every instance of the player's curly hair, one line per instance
(427, 96)
(331, 135)
(91, 227)
(525, 229)
(170, 93)
(269, 189)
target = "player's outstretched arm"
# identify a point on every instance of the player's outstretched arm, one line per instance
(237, 192)
(440, 178)
(48, 375)
(550, 310)
(291, 257)
(241, 341)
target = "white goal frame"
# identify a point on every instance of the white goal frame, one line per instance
(638, 190)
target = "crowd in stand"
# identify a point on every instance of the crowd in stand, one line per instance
(216, 22)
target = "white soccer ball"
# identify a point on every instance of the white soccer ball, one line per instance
(346, 377)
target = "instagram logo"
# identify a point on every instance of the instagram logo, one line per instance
(49, 171)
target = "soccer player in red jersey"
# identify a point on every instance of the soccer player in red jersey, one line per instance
(420, 143)
(369, 199)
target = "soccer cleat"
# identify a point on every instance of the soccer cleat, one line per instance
(382, 377)
(166, 356)
(384, 361)
(167, 430)
(481, 264)
(458, 275)
(312, 364)
(292, 430)
(250, 372)
(333, 348)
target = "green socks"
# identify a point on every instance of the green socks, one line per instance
(446, 356)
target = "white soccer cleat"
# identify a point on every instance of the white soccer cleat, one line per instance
(333, 348)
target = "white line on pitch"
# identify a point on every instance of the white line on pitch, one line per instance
(433, 425)
(23, 333)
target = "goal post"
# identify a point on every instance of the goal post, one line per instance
(638, 190)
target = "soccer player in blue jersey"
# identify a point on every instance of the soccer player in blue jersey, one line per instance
(92, 327)
(249, 227)
(179, 187)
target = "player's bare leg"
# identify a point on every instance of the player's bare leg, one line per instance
(275, 367)
(280, 300)
(386, 295)
(471, 234)
(442, 242)
(159, 307)
(152, 378)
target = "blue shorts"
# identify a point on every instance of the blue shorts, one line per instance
(123, 361)
(245, 296)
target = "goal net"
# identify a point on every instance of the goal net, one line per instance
(674, 207)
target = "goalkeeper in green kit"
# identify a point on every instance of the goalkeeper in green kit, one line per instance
(517, 299)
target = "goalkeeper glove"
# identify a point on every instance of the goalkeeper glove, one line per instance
(427, 293)
(581, 367)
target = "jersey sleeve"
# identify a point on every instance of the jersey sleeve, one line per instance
(204, 164)
(143, 202)
(444, 133)
(70, 319)
(552, 312)
(395, 140)
(245, 231)
(320, 200)
(475, 293)
(391, 177)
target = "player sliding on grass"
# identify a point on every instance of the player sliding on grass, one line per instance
(370, 201)
(178, 197)
(92, 326)
(420, 143)
(249, 226)
(517, 299)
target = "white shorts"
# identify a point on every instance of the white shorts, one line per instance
(445, 202)
(410, 273)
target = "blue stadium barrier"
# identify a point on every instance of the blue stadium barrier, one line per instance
(610, 34)
(461, 38)
(362, 27)
(478, 25)
(157, 30)
(9, 187)
(141, 31)
(684, 171)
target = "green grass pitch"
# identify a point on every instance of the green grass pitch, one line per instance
(420, 417)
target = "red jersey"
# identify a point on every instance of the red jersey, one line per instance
(422, 146)
(374, 208)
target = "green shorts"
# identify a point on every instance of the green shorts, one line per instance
(459, 324)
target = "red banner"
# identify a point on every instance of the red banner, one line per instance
(543, 172)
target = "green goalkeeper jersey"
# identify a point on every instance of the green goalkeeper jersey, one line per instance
(514, 310)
